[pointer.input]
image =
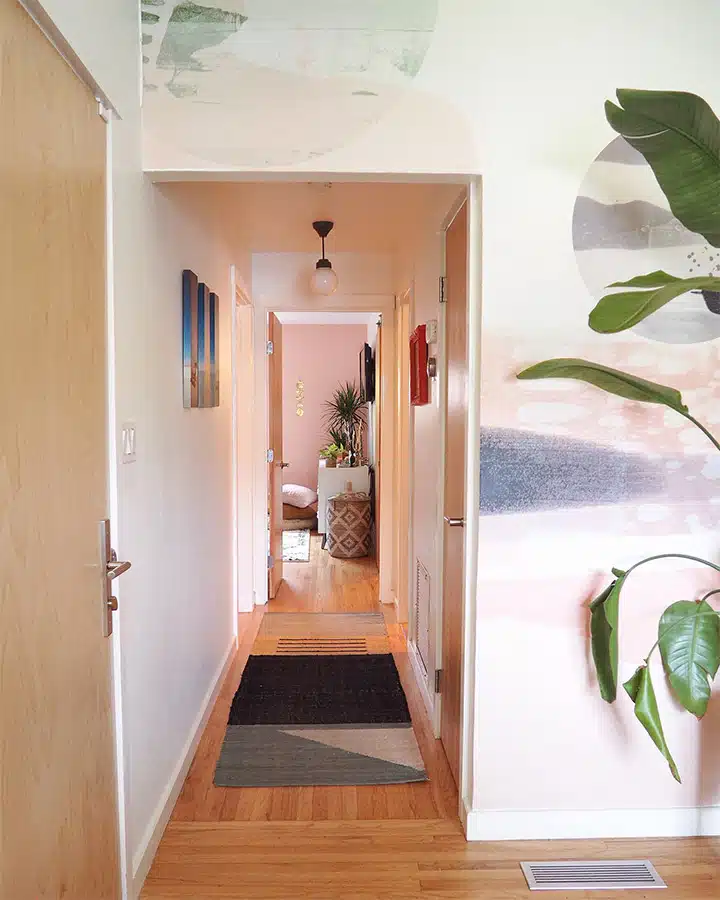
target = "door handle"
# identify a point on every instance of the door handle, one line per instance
(283, 465)
(454, 523)
(110, 568)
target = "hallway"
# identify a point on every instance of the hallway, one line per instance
(323, 585)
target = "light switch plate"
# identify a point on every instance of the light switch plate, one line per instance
(127, 443)
(431, 331)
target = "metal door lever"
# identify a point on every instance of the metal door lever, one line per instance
(454, 523)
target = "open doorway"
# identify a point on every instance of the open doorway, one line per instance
(323, 413)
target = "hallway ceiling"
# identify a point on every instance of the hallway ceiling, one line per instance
(262, 83)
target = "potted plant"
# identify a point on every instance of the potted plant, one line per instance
(679, 136)
(331, 453)
(346, 416)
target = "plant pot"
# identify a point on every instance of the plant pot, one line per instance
(330, 462)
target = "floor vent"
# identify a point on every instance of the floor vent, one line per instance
(592, 875)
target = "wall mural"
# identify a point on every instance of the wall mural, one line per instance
(249, 82)
(584, 460)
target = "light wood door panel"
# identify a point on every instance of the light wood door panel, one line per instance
(455, 431)
(275, 477)
(402, 460)
(58, 814)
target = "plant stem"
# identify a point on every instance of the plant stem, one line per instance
(710, 594)
(704, 562)
(702, 428)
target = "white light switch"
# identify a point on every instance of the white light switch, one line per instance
(127, 442)
(431, 331)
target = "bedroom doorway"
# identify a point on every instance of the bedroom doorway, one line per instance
(323, 456)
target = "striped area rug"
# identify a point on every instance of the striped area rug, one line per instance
(320, 703)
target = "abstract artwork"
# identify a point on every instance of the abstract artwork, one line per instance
(200, 337)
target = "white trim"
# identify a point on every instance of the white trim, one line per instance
(235, 452)
(466, 788)
(147, 849)
(584, 824)
(421, 676)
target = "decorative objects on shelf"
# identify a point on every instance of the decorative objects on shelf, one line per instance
(324, 281)
(419, 381)
(201, 343)
(300, 398)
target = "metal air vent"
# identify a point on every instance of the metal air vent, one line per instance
(592, 875)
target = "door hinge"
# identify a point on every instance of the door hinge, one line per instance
(443, 297)
(271, 561)
(438, 680)
(270, 348)
(270, 456)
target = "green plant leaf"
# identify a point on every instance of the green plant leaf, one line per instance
(689, 641)
(624, 309)
(604, 614)
(679, 136)
(641, 692)
(611, 380)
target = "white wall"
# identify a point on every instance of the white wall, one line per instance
(175, 506)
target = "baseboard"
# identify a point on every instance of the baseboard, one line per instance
(142, 859)
(421, 679)
(521, 825)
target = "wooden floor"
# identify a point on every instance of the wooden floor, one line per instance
(371, 842)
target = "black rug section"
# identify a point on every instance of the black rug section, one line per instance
(319, 690)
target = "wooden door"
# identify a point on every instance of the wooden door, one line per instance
(454, 510)
(58, 812)
(275, 467)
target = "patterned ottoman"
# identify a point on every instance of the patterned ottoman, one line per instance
(348, 524)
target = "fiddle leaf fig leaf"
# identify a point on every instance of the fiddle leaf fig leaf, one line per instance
(624, 309)
(679, 136)
(689, 641)
(641, 692)
(604, 615)
(611, 380)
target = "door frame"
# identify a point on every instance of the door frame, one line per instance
(365, 303)
(242, 379)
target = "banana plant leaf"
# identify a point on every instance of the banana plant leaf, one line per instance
(679, 136)
(641, 692)
(689, 641)
(604, 613)
(611, 380)
(621, 310)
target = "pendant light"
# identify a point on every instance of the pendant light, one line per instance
(324, 281)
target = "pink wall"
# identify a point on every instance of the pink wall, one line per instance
(320, 356)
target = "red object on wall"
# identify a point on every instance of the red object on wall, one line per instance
(419, 381)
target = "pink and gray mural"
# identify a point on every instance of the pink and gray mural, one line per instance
(250, 82)
(575, 456)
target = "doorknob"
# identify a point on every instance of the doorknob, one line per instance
(283, 465)
(454, 523)
(110, 568)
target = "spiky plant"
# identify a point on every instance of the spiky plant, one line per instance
(346, 414)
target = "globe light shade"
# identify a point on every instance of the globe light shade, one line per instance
(324, 281)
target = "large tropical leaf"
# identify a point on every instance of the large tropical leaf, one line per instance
(689, 641)
(619, 311)
(611, 380)
(679, 136)
(604, 613)
(642, 693)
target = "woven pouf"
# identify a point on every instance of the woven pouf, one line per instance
(348, 524)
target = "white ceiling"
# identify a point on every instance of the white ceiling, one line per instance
(327, 318)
